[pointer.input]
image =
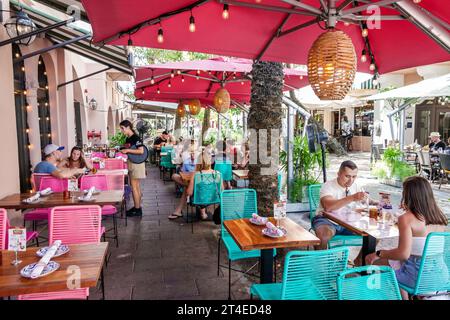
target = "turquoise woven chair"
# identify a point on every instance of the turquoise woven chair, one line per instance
(166, 162)
(225, 168)
(371, 283)
(236, 204)
(307, 275)
(280, 180)
(434, 271)
(207, 188)
(337, 240)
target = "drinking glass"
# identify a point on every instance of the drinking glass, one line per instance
(278, 216)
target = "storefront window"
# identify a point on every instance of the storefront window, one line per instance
(363, 120)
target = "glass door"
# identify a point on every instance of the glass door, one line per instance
(443, 123)
(423, 125)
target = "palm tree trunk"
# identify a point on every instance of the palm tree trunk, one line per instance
(205, 125)
(265, 114)
(177, 126)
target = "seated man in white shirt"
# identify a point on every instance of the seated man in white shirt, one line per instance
(334, 195)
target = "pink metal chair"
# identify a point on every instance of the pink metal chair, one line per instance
(3, 223)
(36, 180)
(31, 235)
(100, 182)
(71, 225)
(44, 182)
(114, 164)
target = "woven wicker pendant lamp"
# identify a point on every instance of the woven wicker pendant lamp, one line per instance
(332, 65)
(181, 110)
(194, 106)
(222, 100)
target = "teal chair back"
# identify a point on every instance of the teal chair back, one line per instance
(225, 168)
(237, 204)
(207, 188)
(434, 272)
(166, 148)
(371, 283)
(166, 161)
(314, 199)
(312, 275)
(280, 180)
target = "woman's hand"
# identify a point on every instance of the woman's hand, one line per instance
(371, 258)
(124, 151)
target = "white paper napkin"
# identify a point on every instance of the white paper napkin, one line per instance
(273, 229)
(46, 191)
(89, 194)
(45, 260)
(33, 198)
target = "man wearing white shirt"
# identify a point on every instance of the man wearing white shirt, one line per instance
(335, 195)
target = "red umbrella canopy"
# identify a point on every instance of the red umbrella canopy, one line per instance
(272, 30)
(201, 79)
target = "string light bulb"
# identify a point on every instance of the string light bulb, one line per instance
(182, 78)
(27, 130)
(172, 74)
(363, 56)
(301, 77)
(225, 12)
(346, 24)
(152, 80)
(191, 23)
(160, 35)
(365, 32)
(158, 91)
(372, 65)
(417, 1)
(178, 72)
(169, 84)
(143, 91)
(23, 69)
(242, 82)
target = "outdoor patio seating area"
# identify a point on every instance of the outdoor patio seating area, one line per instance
(214, 150)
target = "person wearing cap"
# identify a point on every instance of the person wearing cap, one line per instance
(52, 155)
(436, 142)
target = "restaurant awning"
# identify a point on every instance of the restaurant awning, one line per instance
(430, 88)
(154, 106)
(202, 78)
(409, 34)
(44, 15)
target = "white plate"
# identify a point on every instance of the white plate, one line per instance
(52, 266)
(82, 199)
(258, 223)
(63, 249)
(46, 194)
(266, 232)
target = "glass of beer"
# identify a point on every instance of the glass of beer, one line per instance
(373, 212)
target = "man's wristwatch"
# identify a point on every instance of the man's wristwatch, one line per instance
(378, 253)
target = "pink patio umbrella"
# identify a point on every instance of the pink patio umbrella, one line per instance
(410, 34)
(201, 79)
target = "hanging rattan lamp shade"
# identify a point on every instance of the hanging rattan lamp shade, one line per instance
(222, 100)
(194, 106)
(181, 110)
(332, 65)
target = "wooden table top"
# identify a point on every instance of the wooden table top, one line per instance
(363, 225)
(241, 174)
(88, 257)
(250, 237)
(56, 199)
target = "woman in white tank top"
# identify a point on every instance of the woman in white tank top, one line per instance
(422, 216)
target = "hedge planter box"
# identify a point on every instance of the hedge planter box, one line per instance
(391, 182)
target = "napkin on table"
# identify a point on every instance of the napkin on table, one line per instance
(274, 230)
(45, 260)
(46, 191)
(259, 219)
(89, 194)
(33, 198)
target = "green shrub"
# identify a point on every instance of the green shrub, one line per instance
(392, 166)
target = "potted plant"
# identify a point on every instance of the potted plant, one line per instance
(117, 140)
(392, 170)
(307, 170)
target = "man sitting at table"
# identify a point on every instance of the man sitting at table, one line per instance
(334, 195)
(52, 156)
